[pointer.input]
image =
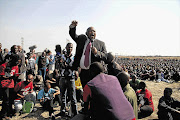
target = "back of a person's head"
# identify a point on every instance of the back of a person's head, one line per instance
(14, 59)
(133, 76)
(58, 48)
(142, 85)
(47, 85)
(168, 90)
(110, 57)
(95, 69)
(123, 78)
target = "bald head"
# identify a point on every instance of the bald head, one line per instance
(91, 33)
(123, 78)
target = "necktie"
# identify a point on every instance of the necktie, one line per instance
(86, 53)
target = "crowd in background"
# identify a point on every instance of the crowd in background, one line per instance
(149, 69)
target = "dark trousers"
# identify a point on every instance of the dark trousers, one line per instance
(85, 77)
(8, 99)
(79, 95)
(48, 105)
(145, 111)
(168, 115)
(42, 71)
(68, 84)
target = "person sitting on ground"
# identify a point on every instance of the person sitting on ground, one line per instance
(167, 74)
(46, 96)
(160, 76)
(176, 76)
(104, 98)
(38, 83)
(152, 75)
(145, 103)
(145, 75)
(50, 78)
(24, 91)
(123, 78)
(134, 83)
(167, 108)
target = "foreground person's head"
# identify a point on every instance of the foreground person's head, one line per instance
(95, 69)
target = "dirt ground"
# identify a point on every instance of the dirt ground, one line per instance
(154, 87)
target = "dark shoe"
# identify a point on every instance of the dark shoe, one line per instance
(7, 118)
(61, 114)
(53, 116)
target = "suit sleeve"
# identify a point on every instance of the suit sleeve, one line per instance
(103, 53)
(72, 33)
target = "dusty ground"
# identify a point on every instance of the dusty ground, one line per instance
(155, 88)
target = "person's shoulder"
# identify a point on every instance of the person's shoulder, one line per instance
(99, 41)
(41, 91)
(31, 83)
(52, 89)
(137, 81)
(3, 65)
(20, 83)
(138, 91)
(82, 36)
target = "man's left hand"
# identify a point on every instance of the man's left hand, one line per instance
(94, 50)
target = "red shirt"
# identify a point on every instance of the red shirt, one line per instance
(147, 95)
(8, 83)
(23, 89)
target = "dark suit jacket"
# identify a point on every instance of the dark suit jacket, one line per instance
(80, 41)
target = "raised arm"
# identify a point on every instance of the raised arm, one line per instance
(72, 30)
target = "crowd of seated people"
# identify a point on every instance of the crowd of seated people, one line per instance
(148, 69)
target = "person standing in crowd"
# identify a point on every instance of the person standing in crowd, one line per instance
(8, 73)
(42, 62)
(145, 103)
(1, 55)
(6, 51)
(68, 81)
(32, 51)
(123, 78)
(167, 106)
(104, 98)
(58, 57)
(21, 65)
(24, 91)
(31, 65)
(51, 59)
(88, 50)
(46, 96)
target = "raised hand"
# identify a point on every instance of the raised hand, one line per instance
(74, 23)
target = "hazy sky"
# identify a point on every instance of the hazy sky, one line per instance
(128, 27)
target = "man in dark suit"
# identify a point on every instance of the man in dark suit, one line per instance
(87, 45)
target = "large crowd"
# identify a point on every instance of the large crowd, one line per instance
(108, 87)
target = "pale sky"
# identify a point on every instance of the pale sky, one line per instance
(128, 27)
